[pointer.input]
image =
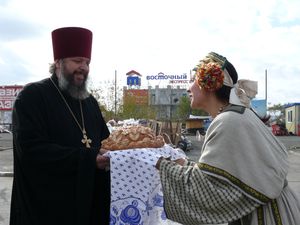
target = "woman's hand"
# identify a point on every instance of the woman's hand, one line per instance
(180, 161)
(158, 162)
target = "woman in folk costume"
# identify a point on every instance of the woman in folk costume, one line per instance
(241, 175)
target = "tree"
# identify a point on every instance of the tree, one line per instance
(109, 99)
(277, 113)
(199, 112)
(184, 109)
(126, 108)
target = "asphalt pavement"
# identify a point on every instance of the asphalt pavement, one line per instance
(6, 167)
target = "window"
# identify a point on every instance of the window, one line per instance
(290, 116)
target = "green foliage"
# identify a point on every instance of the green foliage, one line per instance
(199, 112)
(131, 110)
(107, 114)
(184, 109)
(107, 97)
(127, 108)
(277, 107)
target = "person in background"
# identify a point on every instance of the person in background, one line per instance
(59, 175)
(241, 176)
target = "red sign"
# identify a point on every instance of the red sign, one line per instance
(8, 95)
(139, 96)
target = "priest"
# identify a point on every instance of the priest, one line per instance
(59, 175)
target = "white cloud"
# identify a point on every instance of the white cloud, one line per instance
(167, 36)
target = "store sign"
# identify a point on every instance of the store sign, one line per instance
(8, 95)
(162, 76)
(139, 96)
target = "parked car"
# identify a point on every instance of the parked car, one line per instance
(279, 130)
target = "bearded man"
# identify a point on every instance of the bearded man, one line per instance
(59, 175)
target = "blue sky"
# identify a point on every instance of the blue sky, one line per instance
(168, 36)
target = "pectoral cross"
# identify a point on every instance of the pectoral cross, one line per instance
(85, 140)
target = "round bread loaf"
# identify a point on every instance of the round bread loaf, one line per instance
(132, 137)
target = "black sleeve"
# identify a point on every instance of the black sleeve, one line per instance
(33, 146)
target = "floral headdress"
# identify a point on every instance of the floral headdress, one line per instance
(211, 75)
(210, 72)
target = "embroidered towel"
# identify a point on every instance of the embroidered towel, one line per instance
(136, 195)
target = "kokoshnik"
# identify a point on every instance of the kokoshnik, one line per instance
(73, 43)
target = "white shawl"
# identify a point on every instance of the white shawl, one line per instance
(242, 150)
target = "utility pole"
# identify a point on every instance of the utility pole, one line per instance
(266, 91)
(115, 93)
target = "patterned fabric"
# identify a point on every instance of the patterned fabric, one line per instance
(136, 193)
(242, 146)
(240, 175)
(192, 197)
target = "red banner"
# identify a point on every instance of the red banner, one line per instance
(8, 95)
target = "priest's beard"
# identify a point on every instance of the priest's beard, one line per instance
(66, 83)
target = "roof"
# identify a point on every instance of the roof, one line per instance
(133, 72)
(291, 104)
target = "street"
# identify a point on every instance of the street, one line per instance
(6, 167)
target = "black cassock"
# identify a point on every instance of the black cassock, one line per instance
(56, 181)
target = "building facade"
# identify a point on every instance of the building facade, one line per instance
(166, 101)
(292, 118)
(8, 95)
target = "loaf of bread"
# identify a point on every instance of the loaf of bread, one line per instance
(132, 137)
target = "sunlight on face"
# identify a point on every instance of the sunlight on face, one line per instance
(197, 96)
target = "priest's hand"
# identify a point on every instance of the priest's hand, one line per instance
(103, 151)
(102, 162)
